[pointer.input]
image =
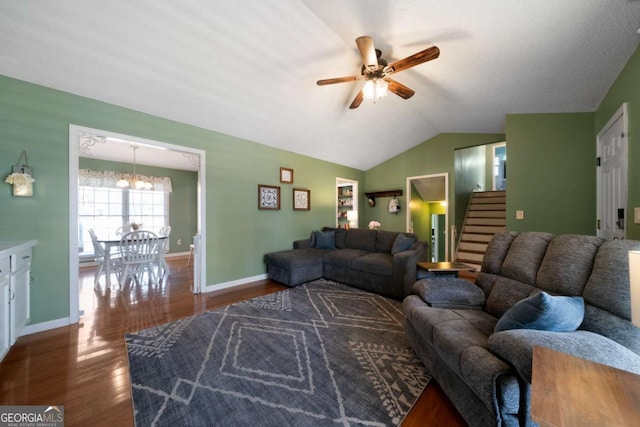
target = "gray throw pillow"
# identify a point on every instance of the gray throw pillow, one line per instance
(401, 243)
(325, 239)
(544, 312)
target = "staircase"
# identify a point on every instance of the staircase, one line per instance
(485, 217)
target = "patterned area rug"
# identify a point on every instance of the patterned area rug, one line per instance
(319, 354)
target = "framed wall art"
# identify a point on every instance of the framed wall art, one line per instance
(301, 199)
(268, 197)
(286, 175)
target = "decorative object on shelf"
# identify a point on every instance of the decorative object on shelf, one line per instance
(352, 218)
(134, 181)
(286, 175)
(301, 199)
(21, 177)
(371, 196)
(374, 225)
(394, 206)
(268, 197)
(634, 282)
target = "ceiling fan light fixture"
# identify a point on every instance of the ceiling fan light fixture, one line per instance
(375, 89)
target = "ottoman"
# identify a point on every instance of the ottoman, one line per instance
(295, 266)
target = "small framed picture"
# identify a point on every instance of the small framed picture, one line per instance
(286, 175)
(301, 199)
(268, 197)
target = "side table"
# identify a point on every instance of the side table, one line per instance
(430, 269)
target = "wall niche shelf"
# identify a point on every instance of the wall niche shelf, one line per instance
(371, 196)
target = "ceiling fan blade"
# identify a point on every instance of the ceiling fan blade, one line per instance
(367, 51)
(399, 89)
(357, 100)
(336, 80)
(411, 61)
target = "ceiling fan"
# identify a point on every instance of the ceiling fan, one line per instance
(376, 72)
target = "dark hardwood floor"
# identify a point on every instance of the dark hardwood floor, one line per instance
(85, 368)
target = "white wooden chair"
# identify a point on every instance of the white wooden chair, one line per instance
(138, 254)
(164, 245)
(99, 256)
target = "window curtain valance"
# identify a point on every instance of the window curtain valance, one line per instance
(109, 179)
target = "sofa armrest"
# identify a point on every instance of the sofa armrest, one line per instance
(516, 347)
(404, 268)
(302, 244)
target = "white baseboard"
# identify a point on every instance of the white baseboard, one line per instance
(233, 283)
(65, 321)
(45, 326)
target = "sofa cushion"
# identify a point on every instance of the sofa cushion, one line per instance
(525, 256)
(341, 236)
(447, 292)
(325, 239)
(402, 243)
(343, 257)
(544, 312)
(376, 263)
(496, 252)
(361, 239)
(505, 293)
(567, 264)
(384, 240)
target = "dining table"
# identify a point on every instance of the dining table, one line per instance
(110, 241)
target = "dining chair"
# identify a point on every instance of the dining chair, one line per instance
(164, 245)
(138, 253)
(99, 256)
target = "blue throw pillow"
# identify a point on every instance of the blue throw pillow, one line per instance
(402, 243)
(544, 312)
(325, 239)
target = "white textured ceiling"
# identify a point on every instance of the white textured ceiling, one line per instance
(248, 68)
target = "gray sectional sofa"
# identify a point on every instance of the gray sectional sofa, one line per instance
(379, 261)
(451, 323)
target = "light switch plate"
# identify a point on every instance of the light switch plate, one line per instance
(519, 214)
(636, 215)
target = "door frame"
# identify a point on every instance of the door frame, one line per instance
(74, 156)
(446, 200)
(621, 112)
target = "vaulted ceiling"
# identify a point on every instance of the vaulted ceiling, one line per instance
(248, 68)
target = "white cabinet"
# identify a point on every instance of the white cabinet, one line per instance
(15, 290)
(5, 262)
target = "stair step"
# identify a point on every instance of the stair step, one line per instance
(473, 237)
(471, 256)
(488, 200)
(487, 214)
(488, 207)
(487, 221)
(482, 229)
(489, 193)
(470, 246)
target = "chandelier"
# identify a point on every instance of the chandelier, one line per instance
(134, 181)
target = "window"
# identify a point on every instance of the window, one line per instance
(108, 209)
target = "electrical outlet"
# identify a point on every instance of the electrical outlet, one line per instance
(519, 214)
(636, 215)
(179, 241)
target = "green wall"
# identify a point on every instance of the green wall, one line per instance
(551, 173)
(183, 201)
(37, 119)
(435, 155)
(626, 88)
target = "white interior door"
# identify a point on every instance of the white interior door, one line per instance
(612, 177)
